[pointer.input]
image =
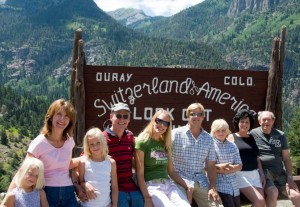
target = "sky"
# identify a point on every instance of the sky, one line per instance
(150, 7)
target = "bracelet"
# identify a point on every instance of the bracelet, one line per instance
(290, 176)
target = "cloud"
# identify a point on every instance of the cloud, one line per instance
(150, 7)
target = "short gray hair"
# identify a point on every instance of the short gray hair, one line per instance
(269, 112)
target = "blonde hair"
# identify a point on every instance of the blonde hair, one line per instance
(194, 106)
(219, 124)
(94, 132)
(28, 164)
(53, 108)
(146, 134)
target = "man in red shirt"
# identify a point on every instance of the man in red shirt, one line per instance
(120, 141)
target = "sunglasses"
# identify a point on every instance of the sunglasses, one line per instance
(122, 116)
(198, 114)
(162, 122)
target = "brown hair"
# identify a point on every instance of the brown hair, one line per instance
(53, 108)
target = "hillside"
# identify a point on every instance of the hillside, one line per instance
(243, 33)
(36, 40)
(245, 36)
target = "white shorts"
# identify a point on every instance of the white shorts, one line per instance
(248, 178)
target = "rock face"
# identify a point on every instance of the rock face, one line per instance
(237, 6)
(128, 16)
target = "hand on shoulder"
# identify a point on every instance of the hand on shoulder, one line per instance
(9, 200)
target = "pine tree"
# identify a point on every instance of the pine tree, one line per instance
(294, 134)
(3, 137)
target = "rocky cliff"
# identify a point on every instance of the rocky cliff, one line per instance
(238, 6)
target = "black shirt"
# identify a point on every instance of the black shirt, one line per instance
(248, 152)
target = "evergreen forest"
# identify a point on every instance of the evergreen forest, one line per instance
(36, 42)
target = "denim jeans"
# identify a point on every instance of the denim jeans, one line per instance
(130, 199)
(61, 196)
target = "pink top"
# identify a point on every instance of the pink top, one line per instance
(56, 160)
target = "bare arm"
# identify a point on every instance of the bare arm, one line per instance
(211, 173)
(114, 183)
(289, 169)
(226, 168)
(88, 189)
(174, 175)
(139, 159)
(74, 162)
(9, 200)
(261, 173)
(287, 161)
(44, 202)
(79, 190)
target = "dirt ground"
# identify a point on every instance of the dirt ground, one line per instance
(281, 203)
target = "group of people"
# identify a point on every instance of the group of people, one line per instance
(173, 167)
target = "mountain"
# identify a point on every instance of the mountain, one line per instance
(36, 40)
(242, 30)
(36, 49)
(133, 18)
(40, 43)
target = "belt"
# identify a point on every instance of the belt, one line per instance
(159, 180)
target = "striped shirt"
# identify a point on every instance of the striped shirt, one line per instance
(121, 150)
(190, 155)
(227, 152)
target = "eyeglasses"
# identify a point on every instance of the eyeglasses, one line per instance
(198, 114)
(162, 122)
(122, 116)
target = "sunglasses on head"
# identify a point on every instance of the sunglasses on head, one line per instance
(198, 114)
(122, 116)
(162, 122)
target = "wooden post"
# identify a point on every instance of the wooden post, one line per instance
(278, 110)
(272, 91)
(77, 37)
(79, 100)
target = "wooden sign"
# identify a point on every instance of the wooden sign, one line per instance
(145, 90)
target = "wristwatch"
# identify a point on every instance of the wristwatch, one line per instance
(290, 176)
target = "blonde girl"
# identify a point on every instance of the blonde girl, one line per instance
(30, 182)
(99, 170)
(154, 165)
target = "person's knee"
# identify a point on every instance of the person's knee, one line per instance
(272, 192)
(295, 197)
(260, 202)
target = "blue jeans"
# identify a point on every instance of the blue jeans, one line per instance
(61, 196)
(130, 199)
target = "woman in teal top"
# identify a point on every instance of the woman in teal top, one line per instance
(155, 168)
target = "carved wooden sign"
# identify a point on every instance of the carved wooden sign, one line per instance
(145, 90)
